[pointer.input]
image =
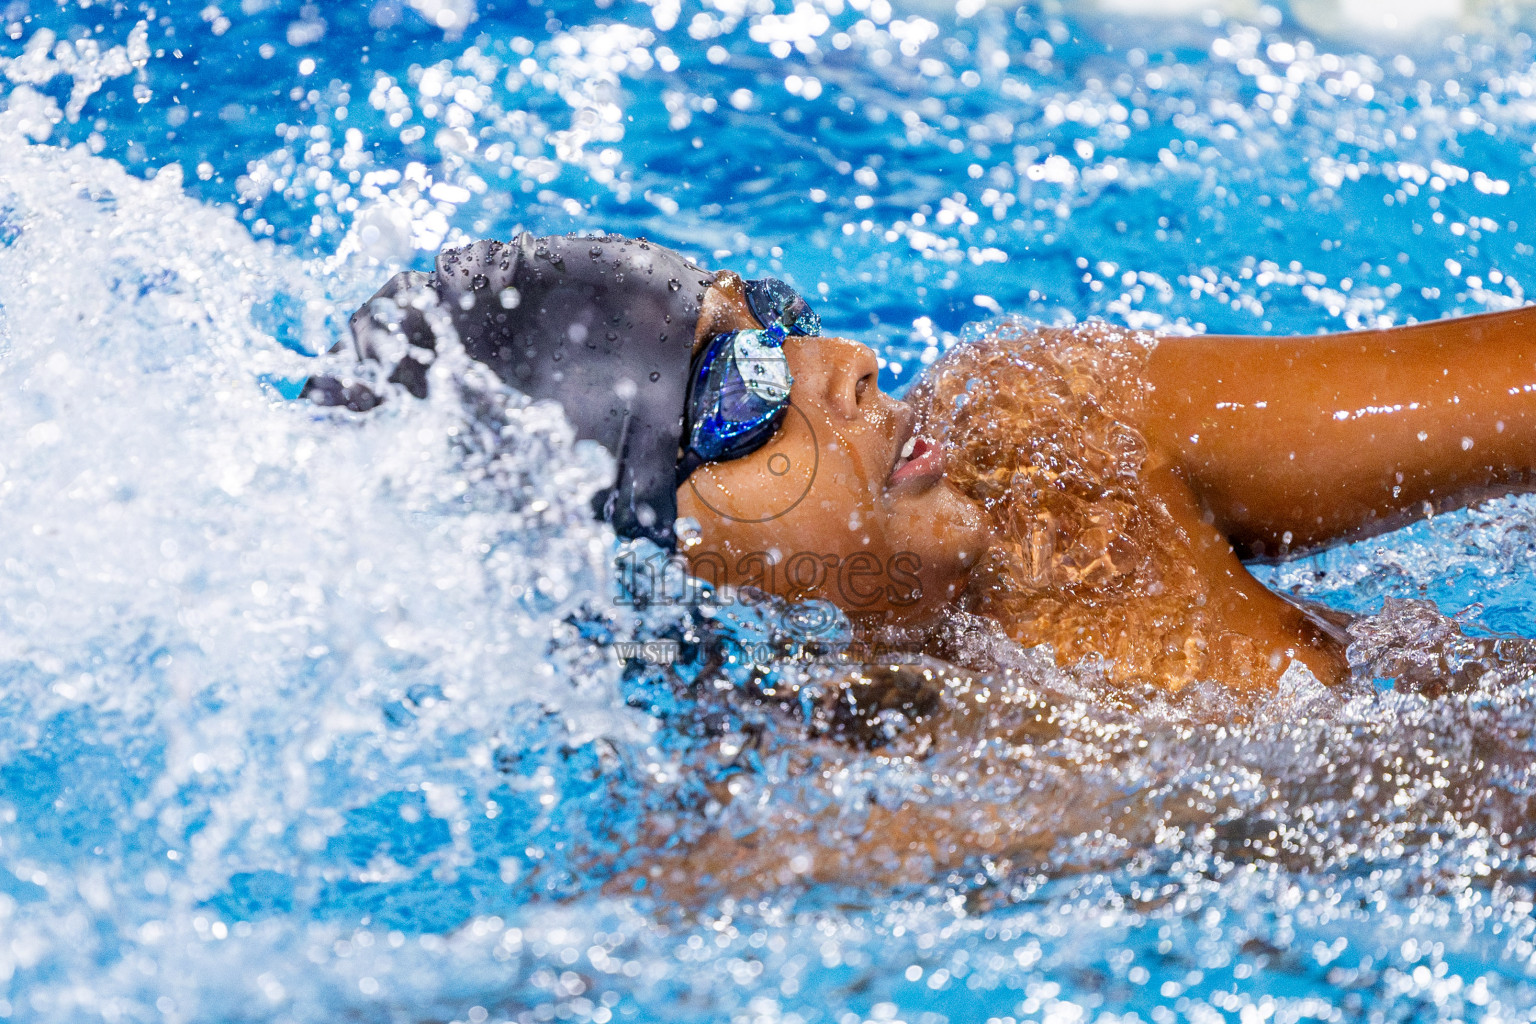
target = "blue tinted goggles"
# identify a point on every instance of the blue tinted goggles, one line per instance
(738, 390)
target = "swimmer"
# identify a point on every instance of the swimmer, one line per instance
(1091, 488)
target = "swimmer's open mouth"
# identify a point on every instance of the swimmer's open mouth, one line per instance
(919, 460)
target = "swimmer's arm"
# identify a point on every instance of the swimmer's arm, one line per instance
(1291, 442)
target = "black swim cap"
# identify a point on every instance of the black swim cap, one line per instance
(604, 326)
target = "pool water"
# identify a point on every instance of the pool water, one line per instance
(304, 719)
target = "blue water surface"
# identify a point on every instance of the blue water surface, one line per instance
(308, 720)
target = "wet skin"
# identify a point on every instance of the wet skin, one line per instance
(1262, 445)
(1245, 446)
(816, 511)
(1294, 442)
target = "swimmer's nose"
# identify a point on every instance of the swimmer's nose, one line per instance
(842, 374)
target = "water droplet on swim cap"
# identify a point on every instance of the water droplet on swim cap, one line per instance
(550, 302)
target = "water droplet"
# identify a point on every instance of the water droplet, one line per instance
(479, 281)
(655, 376)
(674, 284)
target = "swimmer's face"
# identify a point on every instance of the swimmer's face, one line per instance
(830, 508)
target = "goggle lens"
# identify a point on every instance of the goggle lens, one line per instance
(738, 394)
(740, 386)
(776, 304)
